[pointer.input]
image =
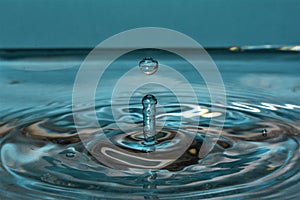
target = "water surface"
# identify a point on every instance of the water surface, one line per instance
(256, 156)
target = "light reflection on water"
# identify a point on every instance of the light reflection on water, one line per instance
(257, 155)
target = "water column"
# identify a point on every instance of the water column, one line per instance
(149, 109)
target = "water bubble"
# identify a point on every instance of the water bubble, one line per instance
(148, 65)
(149, 109)
(70, 154)
(264, 132)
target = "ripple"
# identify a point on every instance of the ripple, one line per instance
(42, 155)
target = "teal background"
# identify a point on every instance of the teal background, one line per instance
(85, 23)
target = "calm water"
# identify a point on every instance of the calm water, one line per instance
(256, 156)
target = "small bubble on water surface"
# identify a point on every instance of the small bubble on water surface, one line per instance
(264, 132)
(70, 154)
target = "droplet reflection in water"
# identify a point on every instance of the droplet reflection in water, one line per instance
(148, 65)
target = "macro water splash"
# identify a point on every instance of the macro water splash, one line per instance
(256, 156)
(149, 113)
(41, 151)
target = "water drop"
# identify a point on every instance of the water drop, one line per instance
(148, 65)
(264, 132)
(149, 109)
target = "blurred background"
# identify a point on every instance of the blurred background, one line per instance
(85, 23)
(71, 28)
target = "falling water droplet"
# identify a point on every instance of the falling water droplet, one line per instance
(264, 132)
(148, 65)
(149, 108)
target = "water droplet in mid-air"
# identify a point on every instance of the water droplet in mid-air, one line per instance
(264, 132)
(149, 109)
(148, 65)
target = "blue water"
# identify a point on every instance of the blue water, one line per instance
(256, 156)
